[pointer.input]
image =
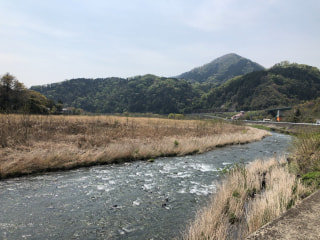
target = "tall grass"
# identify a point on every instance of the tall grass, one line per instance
(249, 197)
(306, 152)
(31, 143)
(305, 158)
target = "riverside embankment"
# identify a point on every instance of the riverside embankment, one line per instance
(137, 200)
(299, 223)
(254, 195)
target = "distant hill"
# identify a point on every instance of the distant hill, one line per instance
(146, 93)
(282, 85)
(221, 69)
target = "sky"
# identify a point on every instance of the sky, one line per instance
(43, 41)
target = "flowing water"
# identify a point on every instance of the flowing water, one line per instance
(139, 200)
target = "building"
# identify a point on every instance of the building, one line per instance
(237, 116)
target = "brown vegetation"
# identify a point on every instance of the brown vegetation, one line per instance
(306, 153)
(32, 144)
(305, 158)
(248, 198)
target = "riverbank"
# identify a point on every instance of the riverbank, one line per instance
(248, 198)
(300, 222)
(34, 144)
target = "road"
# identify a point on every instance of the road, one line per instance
(256, 122)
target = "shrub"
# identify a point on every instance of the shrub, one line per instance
(312, 179)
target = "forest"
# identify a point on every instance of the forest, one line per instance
(147, 93)
(284, 84)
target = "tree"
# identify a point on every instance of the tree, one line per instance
(59, 106)
(37, 103)
(14, 97)
(7, 81)
(297, 115)
(11, 91)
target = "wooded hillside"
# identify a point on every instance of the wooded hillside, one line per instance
(221, 69)
(282, 85)
(147, 93)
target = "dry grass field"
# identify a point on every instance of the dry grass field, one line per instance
(33, 143)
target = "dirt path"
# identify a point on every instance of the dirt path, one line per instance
(300, 222)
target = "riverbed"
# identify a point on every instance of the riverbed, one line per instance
(139, 200)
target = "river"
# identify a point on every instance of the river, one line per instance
(138, 200)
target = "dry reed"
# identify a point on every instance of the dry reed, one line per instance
(248, 198)
(306, 153)
(32, 144)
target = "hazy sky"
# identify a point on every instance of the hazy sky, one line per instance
(46, 41)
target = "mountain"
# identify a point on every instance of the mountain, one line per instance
(146, 93)
(221, 69)
(284, 84)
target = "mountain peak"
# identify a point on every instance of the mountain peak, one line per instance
(221, 69)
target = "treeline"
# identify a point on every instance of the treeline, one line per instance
(142, 94)
(16, 98)
(284, 84)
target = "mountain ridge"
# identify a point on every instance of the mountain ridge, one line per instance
(221, 69)
(282, 85)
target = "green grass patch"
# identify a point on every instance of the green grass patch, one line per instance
(236, 194)
(312, 179)
(261, 127)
